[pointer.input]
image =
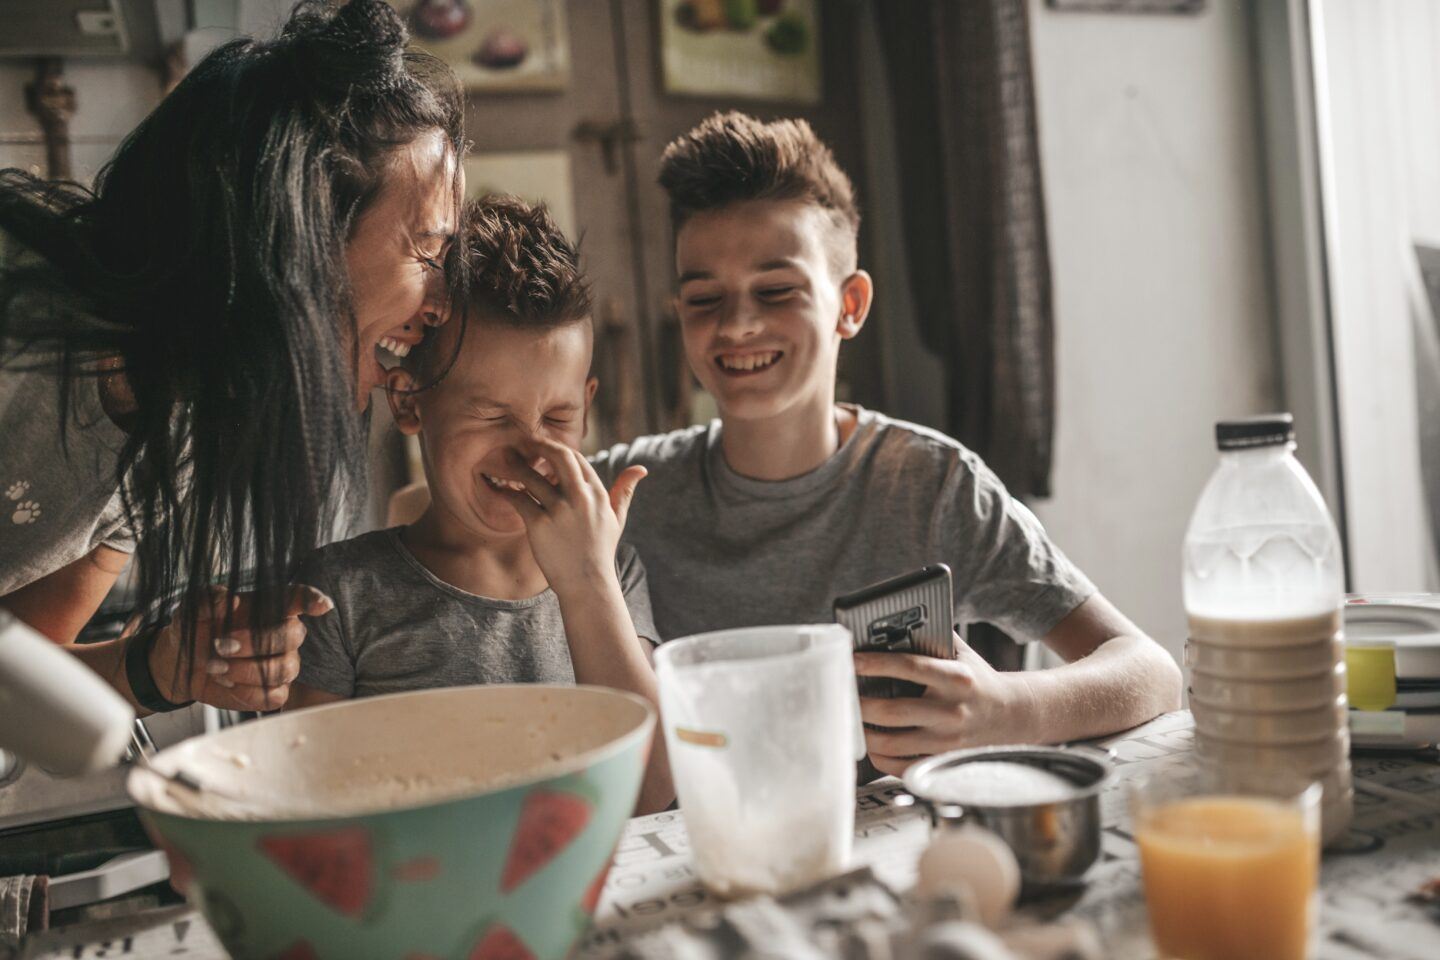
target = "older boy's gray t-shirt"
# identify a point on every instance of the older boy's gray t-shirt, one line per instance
(725, 550)
(396, 626)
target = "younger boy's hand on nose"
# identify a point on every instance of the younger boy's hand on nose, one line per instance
(966, 703)
(573, 523)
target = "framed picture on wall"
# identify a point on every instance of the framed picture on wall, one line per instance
(538, 176)
(755, 49)
(494, 45)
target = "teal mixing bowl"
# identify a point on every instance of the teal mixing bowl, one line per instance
(472, 822)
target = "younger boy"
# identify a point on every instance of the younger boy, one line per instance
(790, 499)
(512, 574)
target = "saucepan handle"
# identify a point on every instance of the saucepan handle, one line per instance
(949, 814)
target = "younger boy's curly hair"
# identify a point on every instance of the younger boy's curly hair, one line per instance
(518, 267)
(733, 157)
(511, 265)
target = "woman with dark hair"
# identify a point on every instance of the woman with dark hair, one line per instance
(186, 352)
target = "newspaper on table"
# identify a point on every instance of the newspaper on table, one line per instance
(653, 879)
(1366, 909)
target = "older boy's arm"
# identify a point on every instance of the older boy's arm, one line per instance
(606, 652)
(1115, 677)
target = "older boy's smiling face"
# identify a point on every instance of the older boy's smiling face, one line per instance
(760, 306)
(509, 385)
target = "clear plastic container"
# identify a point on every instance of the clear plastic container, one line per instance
(1264, 591)
(763, 730)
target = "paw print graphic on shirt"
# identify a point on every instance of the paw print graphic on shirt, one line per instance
(17, 489)
(26, 511)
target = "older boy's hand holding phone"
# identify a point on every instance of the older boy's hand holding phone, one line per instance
(966, 703)
(923, 689)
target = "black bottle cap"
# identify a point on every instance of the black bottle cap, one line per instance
(1266, 430)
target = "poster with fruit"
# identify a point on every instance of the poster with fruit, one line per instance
(539, 176)
(494, 45)
(755, 49)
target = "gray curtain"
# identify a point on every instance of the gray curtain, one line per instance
(973, 211)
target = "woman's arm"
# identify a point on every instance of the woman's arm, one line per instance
(59, 604)
(242, 670)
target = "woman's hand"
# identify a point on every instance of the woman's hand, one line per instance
(240, 669)
(966, 703)
(573, 523)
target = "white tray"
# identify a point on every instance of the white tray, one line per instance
(1411, 621)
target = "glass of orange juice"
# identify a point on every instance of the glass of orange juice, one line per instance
(1231, 863)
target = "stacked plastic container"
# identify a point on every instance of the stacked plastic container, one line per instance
(1264, 592)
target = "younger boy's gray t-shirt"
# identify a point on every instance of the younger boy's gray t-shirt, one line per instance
(725, 550)
(396, 626)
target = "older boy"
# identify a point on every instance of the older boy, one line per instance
(790, 499)
(511, 575)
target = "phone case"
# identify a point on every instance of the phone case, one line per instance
(911, 613)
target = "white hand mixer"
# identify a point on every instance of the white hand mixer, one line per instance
(54, 710)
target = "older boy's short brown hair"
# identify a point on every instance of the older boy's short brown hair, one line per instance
(732, 157)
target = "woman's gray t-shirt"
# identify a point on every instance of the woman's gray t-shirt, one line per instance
(726, 550)
(59, 496)
(396, 626)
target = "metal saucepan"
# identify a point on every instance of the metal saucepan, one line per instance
(1055, 843)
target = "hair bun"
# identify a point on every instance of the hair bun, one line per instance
(362, 44)
(370, 23)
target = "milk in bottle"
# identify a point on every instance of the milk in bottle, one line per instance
(1264, 591)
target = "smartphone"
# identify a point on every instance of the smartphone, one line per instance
(911, 613)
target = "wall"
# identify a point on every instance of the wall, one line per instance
(1148, 131)
(1380, 150)
(111, 98)
(1152, 175)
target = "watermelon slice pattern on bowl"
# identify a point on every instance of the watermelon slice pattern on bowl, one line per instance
(501, 943)
(336, 866)
(548, 822)
(512, 874)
